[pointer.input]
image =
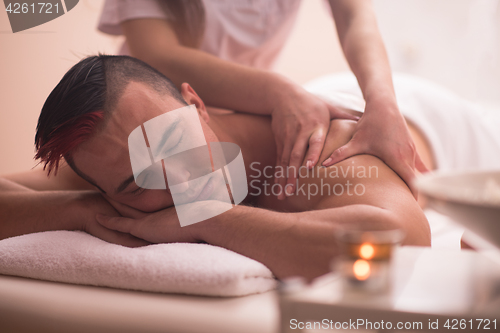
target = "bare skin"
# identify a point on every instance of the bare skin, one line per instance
(300, 120)
(294, 236)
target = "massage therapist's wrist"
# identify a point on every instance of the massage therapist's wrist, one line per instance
(383, 102)
(276, 90)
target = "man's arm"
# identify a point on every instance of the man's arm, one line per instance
(291, 244)
(304, 243)
(24, 210)
(64, 180)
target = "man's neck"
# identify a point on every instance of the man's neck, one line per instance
(220, 124)
(253, 134)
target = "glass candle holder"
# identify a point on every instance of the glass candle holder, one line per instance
(365, 261)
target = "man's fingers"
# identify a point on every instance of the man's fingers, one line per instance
(127, 240)
(121, 224)
(341, 154)
(125, 210)
(116, 237)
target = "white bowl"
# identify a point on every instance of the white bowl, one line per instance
(469, 198)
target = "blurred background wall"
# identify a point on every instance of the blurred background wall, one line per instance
(453, 42)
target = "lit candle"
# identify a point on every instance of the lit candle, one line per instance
(364, 262)
(366, 251)
(361, 269)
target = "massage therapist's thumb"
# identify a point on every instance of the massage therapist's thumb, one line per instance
(336, 113)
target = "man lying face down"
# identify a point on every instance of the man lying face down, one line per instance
(87, 120)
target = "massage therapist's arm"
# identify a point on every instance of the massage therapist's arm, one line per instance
(299, 118)
(381, 131)
(24, 210)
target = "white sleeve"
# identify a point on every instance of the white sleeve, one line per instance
(115, 12)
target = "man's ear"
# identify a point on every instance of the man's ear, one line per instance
(191, 97)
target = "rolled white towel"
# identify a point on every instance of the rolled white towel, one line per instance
(77, 257)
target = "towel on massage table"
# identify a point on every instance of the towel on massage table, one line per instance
(77, 257)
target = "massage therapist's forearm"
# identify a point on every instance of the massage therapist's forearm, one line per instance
(290, 244)
(219, 83)
(364, 49)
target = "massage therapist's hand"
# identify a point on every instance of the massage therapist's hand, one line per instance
(92, 203)
(300, 122)
(382, 132)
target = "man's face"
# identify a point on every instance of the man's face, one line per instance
(105, 157)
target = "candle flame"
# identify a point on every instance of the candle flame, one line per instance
(361, 269)
(366, 251)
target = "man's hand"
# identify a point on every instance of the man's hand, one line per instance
(159, 227)
(93, 204)
(382, 132)
(300, 122)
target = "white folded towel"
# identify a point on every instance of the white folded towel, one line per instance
(77, 257)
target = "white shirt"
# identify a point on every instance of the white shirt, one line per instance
(249, 32)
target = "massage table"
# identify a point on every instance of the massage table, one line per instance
(28, 305)
(429, 283)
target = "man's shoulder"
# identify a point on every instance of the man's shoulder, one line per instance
(360, 179)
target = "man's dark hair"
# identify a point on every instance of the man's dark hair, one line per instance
(83, 100)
